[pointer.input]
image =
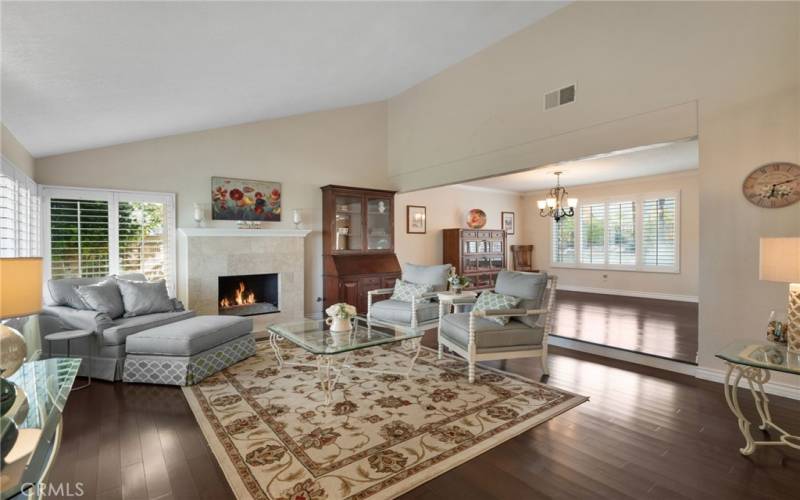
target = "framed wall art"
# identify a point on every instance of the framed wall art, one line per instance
(508, 222)
(247, 200)
(415, 219)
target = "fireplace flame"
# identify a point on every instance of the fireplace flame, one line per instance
(242, 296)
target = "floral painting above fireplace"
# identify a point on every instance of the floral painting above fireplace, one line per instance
(242, 199)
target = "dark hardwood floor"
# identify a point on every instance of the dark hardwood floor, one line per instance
(663, 328)
(645, 433)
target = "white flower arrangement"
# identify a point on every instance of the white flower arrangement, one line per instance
(341, 310)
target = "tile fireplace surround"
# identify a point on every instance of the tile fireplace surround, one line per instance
(205, 254)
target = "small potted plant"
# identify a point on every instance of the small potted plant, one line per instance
(457, 282)
(340, 317)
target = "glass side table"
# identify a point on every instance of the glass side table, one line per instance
(754, 361)
(42, 391)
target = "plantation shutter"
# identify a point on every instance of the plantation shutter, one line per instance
(23, 211)
(94, 233)
(8, 244)
(622, 233)
(564, 241)
(659, 232)
(144, 239)
(79, 245)
(593, 233)
(36, 220)
(19, 213)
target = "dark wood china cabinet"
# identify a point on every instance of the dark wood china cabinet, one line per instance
(478, 254)
(357, 244)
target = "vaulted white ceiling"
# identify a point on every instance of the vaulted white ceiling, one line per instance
(654, 159)
(84, 75)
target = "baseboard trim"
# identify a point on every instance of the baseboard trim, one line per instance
(623, 355)
(776, 388)
(630, 293)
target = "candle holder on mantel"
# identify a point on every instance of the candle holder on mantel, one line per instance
(297, 218)
(198, 214)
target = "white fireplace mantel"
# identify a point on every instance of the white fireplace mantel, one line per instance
(233, 231)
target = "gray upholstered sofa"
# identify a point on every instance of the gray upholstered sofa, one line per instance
(210, 341)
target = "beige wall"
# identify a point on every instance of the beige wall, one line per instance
(684, 283)
(15, 152)
(446, 208)
(726, 71)
(646, 72)
(345, 146)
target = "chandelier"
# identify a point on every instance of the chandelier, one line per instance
(554, 205)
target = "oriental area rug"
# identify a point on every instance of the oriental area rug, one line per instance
(380, 436)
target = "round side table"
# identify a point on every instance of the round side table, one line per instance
(69, 336)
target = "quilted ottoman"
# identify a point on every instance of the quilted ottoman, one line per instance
(186, 352)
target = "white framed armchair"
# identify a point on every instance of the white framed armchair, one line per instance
(418, 310)
(474, 337)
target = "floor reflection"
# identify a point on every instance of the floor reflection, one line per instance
(657, 327)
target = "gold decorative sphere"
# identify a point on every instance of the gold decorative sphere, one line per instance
(13, 351)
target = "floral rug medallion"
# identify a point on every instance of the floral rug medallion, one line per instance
(382, 435)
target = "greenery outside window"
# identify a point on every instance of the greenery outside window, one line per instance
(92, 233)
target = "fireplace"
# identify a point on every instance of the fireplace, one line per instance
(248, 294)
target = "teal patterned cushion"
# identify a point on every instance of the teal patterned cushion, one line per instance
(488, 301)
(405, 290)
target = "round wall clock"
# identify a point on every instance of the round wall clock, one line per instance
(773, 185)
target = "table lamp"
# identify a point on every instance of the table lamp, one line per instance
(779, 260)
(20, 295)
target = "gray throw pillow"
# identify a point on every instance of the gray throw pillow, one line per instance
(488, 301)
(529, 287)
(63, 292)
(103, 297)
(144, 297)
(435, 275)
(405, 291)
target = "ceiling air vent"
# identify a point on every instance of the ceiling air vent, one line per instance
(559, 97)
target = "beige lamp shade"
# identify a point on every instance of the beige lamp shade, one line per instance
(20, 286)
(779, 260)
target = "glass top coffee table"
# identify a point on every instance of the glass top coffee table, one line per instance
(754, 361)
(332, 350)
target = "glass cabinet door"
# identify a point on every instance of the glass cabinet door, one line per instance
(347, 226)
(379, 223)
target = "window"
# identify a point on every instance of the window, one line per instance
(622, 233)
(659, 232)
(20, 233)
(78, 238)
(96, 233)
(593, 233)
(142, 239)
(564, 241)
(634, 233)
